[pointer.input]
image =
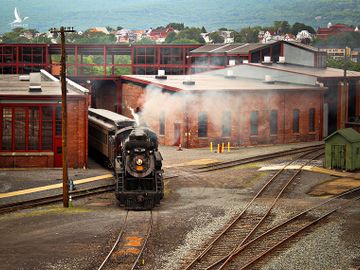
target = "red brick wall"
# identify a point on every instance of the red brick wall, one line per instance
(26, 160)
(77, 133)
(131, 97)
(240, 104)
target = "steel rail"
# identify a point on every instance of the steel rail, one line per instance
(240, 248)
(239, 216)
(10, 207)
(116, 242)
(233, 163)
(268, 211)
(145, 242)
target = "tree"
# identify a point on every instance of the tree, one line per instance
(171, 37)
(192, 33)
(248, 35)
(145, 41)
(185, 41)
(297, 27)
(203, 30)
(223, 29)
(282, 27)
(216, 38)
(176, 26)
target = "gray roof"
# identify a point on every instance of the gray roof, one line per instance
(236, 48)
(216, 82)
(316, 72)
(50, 86)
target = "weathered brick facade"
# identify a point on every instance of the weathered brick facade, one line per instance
(240, 104)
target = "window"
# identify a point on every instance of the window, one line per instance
(254, 123)
(34, 128)
(296, 115)
(47, 129)
(202, 124)
(162, 123)
(7, 129)
(226, 124)
(27, 128)
(19, 125)
(312, 120)
(273, 122)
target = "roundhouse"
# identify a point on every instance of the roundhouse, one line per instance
(243, 105)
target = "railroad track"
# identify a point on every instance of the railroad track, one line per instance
(126, 253)
(251, 253)
(233, 163)
(10, 207)
(252, 216)
(75, 194)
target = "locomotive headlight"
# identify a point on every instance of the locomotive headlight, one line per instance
(139, 162)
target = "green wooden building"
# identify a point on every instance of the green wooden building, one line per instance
(342, 150)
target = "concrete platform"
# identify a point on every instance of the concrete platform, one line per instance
(22, 184)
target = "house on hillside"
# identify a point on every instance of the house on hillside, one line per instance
(331, 30)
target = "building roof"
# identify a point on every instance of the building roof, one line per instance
(302, 45)
(216, 82)
(310, 71)
(349, 134)
(11, 85)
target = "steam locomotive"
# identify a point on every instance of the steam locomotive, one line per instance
(132, 152)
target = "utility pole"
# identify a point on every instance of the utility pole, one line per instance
(62, 32)
(344, 94)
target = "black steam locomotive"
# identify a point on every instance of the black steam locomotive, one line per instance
(133, 154)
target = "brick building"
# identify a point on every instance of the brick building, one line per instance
(30, 121)
(217, 107)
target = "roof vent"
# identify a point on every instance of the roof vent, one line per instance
(161, 75)
(24, 78)
(35, 82)
(269, 79)
(230, 74)
(267, 60)
(281, 60)
(232, 62)
(188, 81)
(245, 61)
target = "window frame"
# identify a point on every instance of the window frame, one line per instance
(202, 125)
(296, 121)
(254, 123)
(30, 140)
(274, 122)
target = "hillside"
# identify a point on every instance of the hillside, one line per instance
(142, 14)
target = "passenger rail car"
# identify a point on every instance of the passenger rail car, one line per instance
(103, 125)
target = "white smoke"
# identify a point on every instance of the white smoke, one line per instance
(135, 115)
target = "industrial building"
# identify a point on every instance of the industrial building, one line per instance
(294, 64)
(30, 122)
(225, 106)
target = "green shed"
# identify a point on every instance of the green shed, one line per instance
(342, 150)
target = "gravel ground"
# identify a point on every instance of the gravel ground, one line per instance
(195, 207)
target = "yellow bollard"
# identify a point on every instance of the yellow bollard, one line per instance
(222, 147)
(228, 147)
(211, 147)
(218, 148)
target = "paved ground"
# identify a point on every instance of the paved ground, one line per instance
(194, 207)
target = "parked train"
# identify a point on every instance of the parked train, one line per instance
(132, 152)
